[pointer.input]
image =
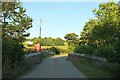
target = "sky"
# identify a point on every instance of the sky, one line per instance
(59, 18)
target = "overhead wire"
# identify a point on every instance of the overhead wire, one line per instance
(63, 26)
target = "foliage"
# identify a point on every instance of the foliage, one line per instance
(108, 52)
(63, 50)
(58, 42)
(48, 41)
(38, 40)
(15, 21)
(54, 49)
(72, 40)
(84, 49)
(91, 71)
(106, 33)
(85, 35)
(103, 33)
(28, 50)
(15, 24)
(70, 36)
(13, 51)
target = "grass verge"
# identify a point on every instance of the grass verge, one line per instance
(90, 70)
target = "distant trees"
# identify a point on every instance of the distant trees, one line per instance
(49, 41)
(103, 33)
(58, 42)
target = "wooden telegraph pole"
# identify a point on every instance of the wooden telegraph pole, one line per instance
(40, 32)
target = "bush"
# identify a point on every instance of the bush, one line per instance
(28, 50)
(13, 50)
(109, 53)
(54, 49)
(63, 50)
(84, 49)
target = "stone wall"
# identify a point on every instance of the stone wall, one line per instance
(36, 58)
(98, 61)
(32, 58)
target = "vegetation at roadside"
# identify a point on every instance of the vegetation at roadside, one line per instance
(15, 24)
(72, 41)
(91, 71)
(100, 36)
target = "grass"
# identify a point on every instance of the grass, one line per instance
(61, 47)
(64, 54)
(90, 70)
(64, 48)
(44, 47)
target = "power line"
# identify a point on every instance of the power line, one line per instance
(63, 26)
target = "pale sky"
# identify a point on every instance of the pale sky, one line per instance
(59, 18)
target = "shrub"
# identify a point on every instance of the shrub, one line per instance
(84, 49)
(63, 50)
(13, 50)
(28, 50)
(109, 53)
(54, 49)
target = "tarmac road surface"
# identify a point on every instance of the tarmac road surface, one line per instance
(55, 67)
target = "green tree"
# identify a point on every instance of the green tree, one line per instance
(48, 41)
(72, 39)
(108, 28)
(58, 42)
(103, 33)
(38, 40)
(15, 21)
(85, 36)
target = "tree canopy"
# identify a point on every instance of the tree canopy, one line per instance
(48, 41)
(15, 24)
(103, 33)
(15, 21)
(72, 39)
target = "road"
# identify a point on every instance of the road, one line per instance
(54, 67)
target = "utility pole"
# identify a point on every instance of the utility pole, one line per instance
(111, 0)
(40, 32)
(40, 27)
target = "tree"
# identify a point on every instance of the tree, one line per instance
(58, 42)
(103, 33)
(15, 21)
(48, 41)
(15, 24)
(72, 39)
(85, 36)
(38, 40)
(108, 21)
